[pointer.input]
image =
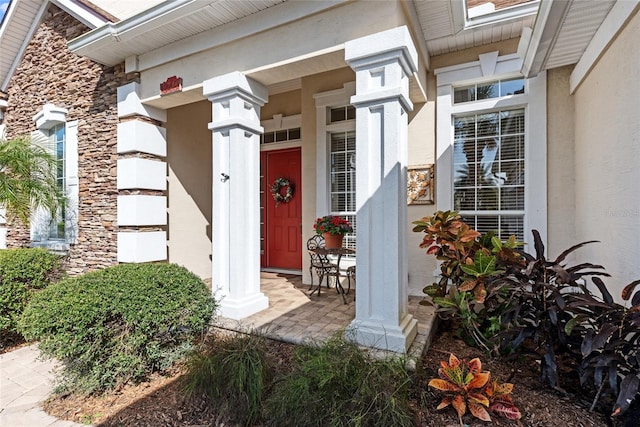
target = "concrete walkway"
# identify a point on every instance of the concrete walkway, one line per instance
(26, 382)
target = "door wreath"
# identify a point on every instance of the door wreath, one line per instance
(276, 190)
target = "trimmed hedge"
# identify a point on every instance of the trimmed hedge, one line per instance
(23, 271)
(119, 324)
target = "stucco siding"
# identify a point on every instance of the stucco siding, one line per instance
(561, 174)
(278, 47)
(189, 155)
(607, 145)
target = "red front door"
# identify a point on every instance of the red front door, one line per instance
(283, 221)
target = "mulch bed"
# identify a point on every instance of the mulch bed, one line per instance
(160, 402)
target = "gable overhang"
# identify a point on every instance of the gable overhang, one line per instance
(20, 23)
(138, 40)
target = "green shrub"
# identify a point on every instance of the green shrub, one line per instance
(234, 373)
(119, 324)
(22, 271)
(337, 384)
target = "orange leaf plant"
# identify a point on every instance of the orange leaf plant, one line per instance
(466, 387)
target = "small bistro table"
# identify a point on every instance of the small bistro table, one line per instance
(338, 252)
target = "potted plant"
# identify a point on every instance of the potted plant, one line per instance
(333, 229)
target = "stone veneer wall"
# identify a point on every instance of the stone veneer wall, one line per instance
(49, 72)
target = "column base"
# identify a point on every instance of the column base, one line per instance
(396, 338)
(240, 308)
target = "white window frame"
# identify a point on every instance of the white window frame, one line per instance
(46, 119)
(491, 67)
(325, 101)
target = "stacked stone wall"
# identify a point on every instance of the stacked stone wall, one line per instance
(50, 73)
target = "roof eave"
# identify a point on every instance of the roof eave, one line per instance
(89, 44)
(550, 17)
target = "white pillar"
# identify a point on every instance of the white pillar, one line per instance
(383, 63)
(236, 132)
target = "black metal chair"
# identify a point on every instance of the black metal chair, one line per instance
(320, 263)
(351, 274)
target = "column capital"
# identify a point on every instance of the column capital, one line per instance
(383, 63)
(236, 101)
(376, 49)
(235, 84)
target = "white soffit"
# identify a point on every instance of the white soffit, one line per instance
(171, 22)
(563, 31)
(17, 29)
(122, 9)
(583, 19)
(446, 28)
(20, 23)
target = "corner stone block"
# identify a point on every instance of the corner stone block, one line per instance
(129, 104)
(139, 246)
(136, 173)
(139, 210)
(138, 136)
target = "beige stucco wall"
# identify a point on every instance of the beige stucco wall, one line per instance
(607, 146)
(189, 186)
(287, 104)
(421, 151)
(277, 47)
(561, 182)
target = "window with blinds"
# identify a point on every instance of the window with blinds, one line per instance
(57, 134)
(343, 180)
(489, 166)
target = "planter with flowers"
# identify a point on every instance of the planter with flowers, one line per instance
(333, 229)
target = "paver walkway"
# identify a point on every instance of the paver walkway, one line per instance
(26, 382)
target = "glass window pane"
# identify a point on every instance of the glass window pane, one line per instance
(281, 135)
(512, 147)
(512, 198)
(464, 94)
(351, 112)
(294, 133)
(337, 142)
(464, 127)
(338, 114)
(269, 138)
(487, 90)
(512, 122)
(487, 124)
(512, 87)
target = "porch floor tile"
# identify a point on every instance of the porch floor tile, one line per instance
(294, 316)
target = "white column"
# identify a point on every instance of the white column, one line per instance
(236, 132)
(383, 63)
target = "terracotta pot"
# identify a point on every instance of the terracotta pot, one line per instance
(332, 241)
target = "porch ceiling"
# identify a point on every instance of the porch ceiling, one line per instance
(447, 28)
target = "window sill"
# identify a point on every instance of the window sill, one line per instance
(56, 246)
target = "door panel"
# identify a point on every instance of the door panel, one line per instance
(283, 222)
